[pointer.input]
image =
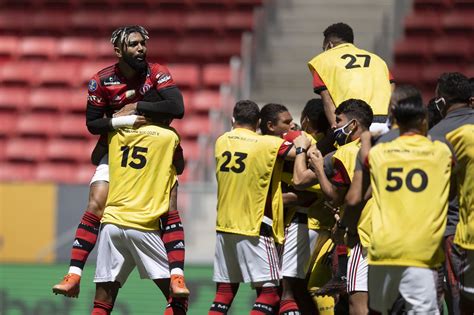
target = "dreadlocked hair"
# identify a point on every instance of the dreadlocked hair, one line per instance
(120, 35)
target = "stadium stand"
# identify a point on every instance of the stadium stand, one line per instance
(51, 48)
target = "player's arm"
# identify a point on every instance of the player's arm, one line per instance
(334, 193)
(303, 177)
(320, 88)
(178, 160)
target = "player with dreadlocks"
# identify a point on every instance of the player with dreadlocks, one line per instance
(127, 95)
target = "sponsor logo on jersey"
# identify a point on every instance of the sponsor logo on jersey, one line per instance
(113, 80)
(94, 99)
(162, 78)
(92, 86)
(144, 89)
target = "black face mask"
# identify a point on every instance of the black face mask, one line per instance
(140, 66)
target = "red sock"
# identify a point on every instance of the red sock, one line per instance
(225, 294)
(173, 238)
(86, 237)
(289, 307)
(102, 308)
(267, 301)
(176, 306)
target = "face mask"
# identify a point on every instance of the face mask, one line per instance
(440, 104)
(341, 135)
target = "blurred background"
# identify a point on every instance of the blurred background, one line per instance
(217, 52)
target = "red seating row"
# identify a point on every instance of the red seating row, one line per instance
(69, 22)
(74, 100)
(432, 23)
(424, 50)
(51, 172)
(162, 48)
(75, 74)
(442, 5)
(427, 75)
(48, 125)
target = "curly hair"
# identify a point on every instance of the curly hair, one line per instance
(120, 36)
(341, 31)
(454, 87)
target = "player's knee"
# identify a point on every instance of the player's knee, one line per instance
(97, 198)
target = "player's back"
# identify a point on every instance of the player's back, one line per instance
(352, 73)
(141, 175)
(410, 187)
(244, 168)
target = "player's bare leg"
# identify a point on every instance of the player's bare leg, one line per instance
(358, 303)
(173, 239)
(84, 242)
(105, 295)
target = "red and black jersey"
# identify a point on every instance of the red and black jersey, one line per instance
(110, 89)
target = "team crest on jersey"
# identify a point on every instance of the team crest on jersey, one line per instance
(162, 78)
(144, 89)
(92, 86)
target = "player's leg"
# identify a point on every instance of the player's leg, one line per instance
(452, 269)
(173, 238)
(383, 288)
(105, 295)
(227, 273)
(467, 283)
(114, 264)
(267, 299)
(87, 231)
(357, 272)
(176, 305)
(418, 288)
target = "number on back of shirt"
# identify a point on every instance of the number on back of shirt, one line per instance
(138, 157)
(416, 180)
(357, 61)
(239, 166)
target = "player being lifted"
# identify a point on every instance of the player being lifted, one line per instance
(143, 187)
(126, 90)
(249, 212)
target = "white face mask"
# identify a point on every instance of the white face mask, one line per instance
(341, 135)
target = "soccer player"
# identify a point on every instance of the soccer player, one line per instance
(249, 212)
(453, 93)
(407, 222)
(353, 118)
(343, 71)
(142, 188)
(120, 91)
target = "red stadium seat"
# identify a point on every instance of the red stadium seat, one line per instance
(90, 22)
(18, 149)
(204, 101)
(427, 24)
(196, 48)
(188, 101)
(67, 150)
(216, 74)
(455, 49)
(185, 75)
(431, 73)
(48, 99)
(204, 21)
(116, 18)
(59, 73)
(190, 149)
(8, 123)
(50, 21)
(227, 47)
(464, 4)
(103, 48)
(407, 74)
(461, 23)
(410, 49)
(2, 149)
(23, 73)
(76, 47)
(89, 69)
(9, 46)
(40, 124)
(165, 21)
(14, 21)
(240, 21)
(14, 98)
(84, 172)
(194, 126)
(430, 5)
(77, 100)
(16, 171)
(55, 172)
(159, 49)
(73, 126)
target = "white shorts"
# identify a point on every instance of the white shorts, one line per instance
(313, 239)
(297, 250)
(416, 285)
(381, 128)
(466, 277)
(102, 170)
(121, 249)
(357, 269)
(242, 258)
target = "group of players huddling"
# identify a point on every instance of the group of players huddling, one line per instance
(361, 210)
